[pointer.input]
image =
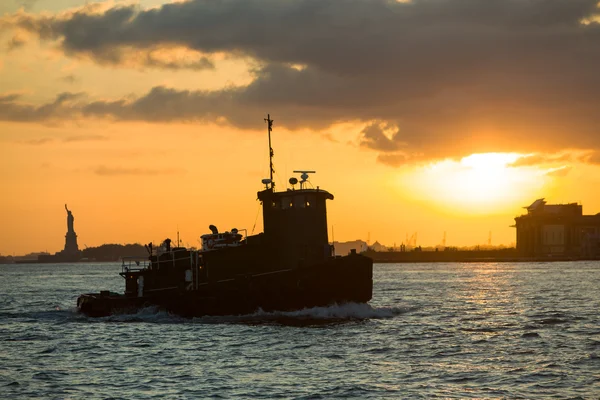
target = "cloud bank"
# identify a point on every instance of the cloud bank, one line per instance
(429, 78)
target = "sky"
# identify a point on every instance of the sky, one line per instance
(428, 117)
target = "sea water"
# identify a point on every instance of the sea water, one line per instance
(473, 330)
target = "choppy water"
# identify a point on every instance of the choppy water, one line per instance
(431, 331)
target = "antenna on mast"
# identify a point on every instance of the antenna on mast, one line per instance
(304, 177)
(269, 122)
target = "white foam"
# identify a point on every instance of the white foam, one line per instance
(343, 311)
(334, 313)
(145, 314)
(347, 311)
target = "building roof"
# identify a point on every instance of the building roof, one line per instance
(536, 205)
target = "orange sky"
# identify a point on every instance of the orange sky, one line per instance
(166, 132)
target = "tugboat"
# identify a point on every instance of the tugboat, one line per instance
(289, 266)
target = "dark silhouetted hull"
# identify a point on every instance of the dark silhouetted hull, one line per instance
(338, 280)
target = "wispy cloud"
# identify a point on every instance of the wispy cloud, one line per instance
(38, 142)
(85, 138)
(558, 160)
(14, 43)
(26, 4)
(593, 157)
(69, 139)
(116, 171)
(559, 172)
(540, 159)
(393, 159)
(70, 78)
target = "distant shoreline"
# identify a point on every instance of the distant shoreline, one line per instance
(384, 258)
(64, 262)
(499, 256)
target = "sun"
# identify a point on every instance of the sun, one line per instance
(479, 183)
(484, 178)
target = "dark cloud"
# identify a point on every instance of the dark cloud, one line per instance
(87, 33)
(152, 59)
(240, 107)
(11, 109)
(455, 76)
(114, 171)
(374, 137)
(9, 98)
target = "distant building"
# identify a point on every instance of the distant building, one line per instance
(344, 248)
(6, 259)
(557, 230)
(378, 247)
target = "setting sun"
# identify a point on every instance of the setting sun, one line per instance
(484, 178)
(479, 183)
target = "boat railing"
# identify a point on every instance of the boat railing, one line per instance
(190, 256)
(131, 264)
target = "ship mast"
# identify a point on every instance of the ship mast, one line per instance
(269, 122)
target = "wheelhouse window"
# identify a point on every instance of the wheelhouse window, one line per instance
(286, 202)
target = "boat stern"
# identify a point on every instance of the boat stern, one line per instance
(101, 304)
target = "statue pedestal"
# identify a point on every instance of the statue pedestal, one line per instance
(71, 243)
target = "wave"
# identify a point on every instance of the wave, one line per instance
(342, 311)
(330, 315)
(151, 314)
(349, 312)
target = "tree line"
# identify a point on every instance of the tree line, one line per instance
(114, 252)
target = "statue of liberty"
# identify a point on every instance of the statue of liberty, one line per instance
(71, 247)
(70, 219)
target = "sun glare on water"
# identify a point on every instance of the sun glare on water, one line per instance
(478, 183)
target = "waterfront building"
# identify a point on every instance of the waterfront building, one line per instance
(557, 230)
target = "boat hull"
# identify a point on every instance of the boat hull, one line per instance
(336, 281)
